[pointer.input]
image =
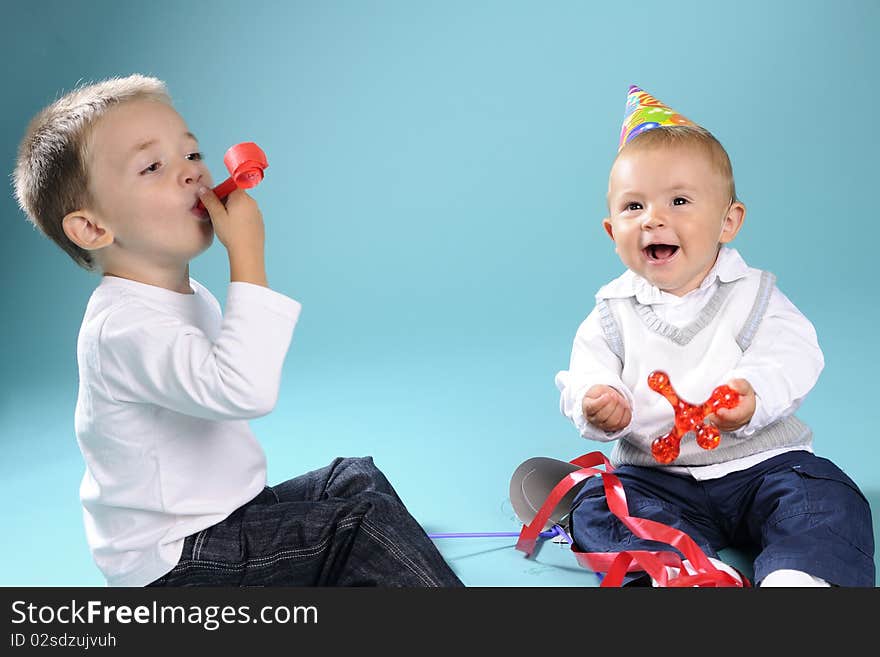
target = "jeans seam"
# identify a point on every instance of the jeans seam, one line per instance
(266, 561)
(198, 543)
(377, 534)
(260, 562)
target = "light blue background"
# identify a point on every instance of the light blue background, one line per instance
(434, 197)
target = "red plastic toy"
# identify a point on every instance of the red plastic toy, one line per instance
(245, 162)
(688, 417)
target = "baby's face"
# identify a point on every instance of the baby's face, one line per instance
(668, 213)
(145, 169)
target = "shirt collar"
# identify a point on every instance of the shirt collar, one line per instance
(729, 266)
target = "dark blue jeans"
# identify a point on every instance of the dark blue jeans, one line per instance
(341, 525)
(796, 510)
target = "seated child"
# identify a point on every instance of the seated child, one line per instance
(690, 305)
(174, 491)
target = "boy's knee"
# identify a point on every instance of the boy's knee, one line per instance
(379, 509)
(354, 462)
(356, 467)
(354, 475)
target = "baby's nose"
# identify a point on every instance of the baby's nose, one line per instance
(653, 219)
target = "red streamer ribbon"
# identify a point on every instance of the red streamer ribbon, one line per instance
(617, 564)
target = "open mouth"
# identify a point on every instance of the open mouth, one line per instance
(660, 253)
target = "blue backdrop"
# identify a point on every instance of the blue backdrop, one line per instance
(434, 197)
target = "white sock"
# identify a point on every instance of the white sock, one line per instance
(786, 577)
(720, 565)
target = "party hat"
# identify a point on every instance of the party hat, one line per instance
(644, 112)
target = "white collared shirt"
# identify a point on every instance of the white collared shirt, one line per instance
(782, 364)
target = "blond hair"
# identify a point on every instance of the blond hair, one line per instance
(51, 175)
(688, 135)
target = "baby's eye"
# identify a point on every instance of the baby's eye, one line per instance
(196, 157)
(679, 200)
(153, 168)
(632, 206)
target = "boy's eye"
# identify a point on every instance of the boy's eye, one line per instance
(196, 157)
(152, 168)
(632, 206)
(678, 200)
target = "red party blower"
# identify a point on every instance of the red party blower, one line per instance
(245, 162)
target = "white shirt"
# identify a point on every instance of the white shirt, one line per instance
(782, 364)
(166, 386)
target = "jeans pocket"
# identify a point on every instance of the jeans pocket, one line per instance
(821, 469)
(845, 510)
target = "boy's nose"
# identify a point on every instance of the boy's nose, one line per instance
(191, 173)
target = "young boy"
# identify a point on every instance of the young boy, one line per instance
(689, 305)
(174, 491)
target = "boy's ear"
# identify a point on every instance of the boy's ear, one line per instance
(732, 222)
(606, 223)
(84, 229)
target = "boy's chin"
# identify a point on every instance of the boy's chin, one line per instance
(205, 245)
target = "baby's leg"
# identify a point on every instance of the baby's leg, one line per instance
(813, 520)
(670, 499)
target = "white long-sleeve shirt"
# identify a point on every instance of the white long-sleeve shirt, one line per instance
(782, 363)
(167, 384)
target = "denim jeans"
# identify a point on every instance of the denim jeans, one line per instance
(799, 511)
(341, 525)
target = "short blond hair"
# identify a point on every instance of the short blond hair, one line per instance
(687, 135)
(51, 175)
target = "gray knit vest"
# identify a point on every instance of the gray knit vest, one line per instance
(788, 431)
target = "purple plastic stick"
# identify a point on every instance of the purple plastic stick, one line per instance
(556, 530)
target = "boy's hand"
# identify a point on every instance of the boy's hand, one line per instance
(731, 419)
(605, 408)
(239, 227)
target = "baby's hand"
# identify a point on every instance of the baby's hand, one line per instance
(731, 419)
(605, 408)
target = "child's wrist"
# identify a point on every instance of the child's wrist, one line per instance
(248, 268)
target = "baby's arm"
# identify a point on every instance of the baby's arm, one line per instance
(606, 409)
(592, 395)
(781, 365)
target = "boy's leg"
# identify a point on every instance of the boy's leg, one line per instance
(650, 493)
(343, 477)
(811, 517)
(392, 542)
(342, 525)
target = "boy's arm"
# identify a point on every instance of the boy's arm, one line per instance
(239, 227)
(592, 363)
(148, 357)
(782, 364)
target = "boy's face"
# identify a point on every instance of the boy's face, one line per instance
(145, 170)
(669, 210)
